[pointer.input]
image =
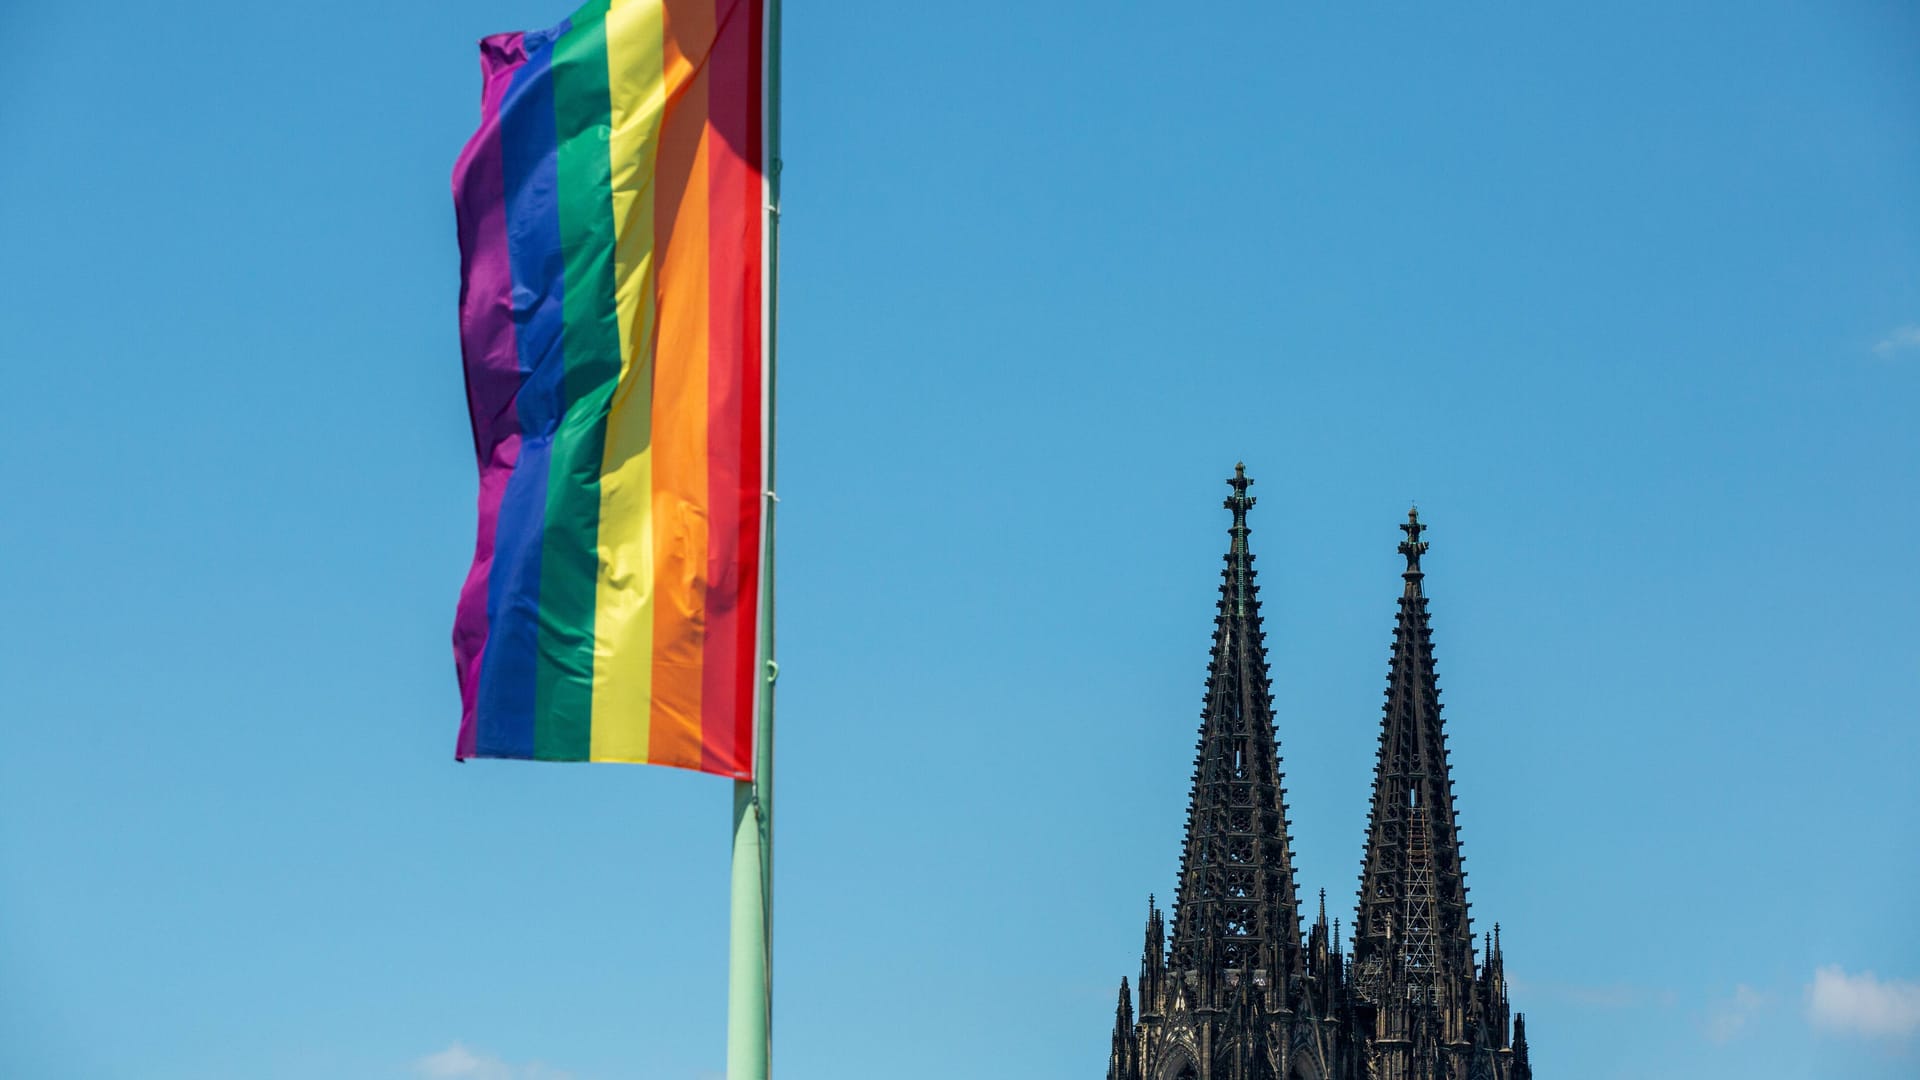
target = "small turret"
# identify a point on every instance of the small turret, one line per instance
(1320, 954)
(1121, 1064)
(1522, 1069)
(1153, 963)
(1493, 988)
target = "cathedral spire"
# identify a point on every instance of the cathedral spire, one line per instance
(1413, 940)
(1232, 986)
(1236, 911)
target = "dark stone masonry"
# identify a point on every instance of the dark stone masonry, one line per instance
(1233, 991)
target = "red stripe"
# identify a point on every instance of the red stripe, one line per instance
(753, 364)
(733, 389)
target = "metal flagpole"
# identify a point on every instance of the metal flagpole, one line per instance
(750, 937)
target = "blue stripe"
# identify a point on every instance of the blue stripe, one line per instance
(529, 159)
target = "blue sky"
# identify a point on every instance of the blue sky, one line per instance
(1628, 298)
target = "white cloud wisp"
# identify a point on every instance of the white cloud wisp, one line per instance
(1906, 337)
(459, 1062)
(1728, 1018)
(1863, 1004)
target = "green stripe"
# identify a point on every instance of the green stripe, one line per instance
(570, 565)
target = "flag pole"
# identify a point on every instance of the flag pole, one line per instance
(750, 934)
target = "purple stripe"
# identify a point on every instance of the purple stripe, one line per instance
(529, 152)
(489, 346)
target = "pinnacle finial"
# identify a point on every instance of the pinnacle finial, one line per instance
(1413, 547)
(1323, 905)
(1239, 502)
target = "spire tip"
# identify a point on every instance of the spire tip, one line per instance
(1240, 481)
(1239, 502)
(1413, 547)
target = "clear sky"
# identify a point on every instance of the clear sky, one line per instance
(1628, 298)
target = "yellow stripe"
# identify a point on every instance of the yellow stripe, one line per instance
(624, 599)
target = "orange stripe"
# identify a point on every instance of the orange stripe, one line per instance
(680, 391)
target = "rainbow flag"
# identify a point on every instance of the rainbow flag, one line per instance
(612, 245)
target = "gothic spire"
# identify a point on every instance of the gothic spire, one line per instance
(1413, 937)
(1233, 986)
(1236, 902)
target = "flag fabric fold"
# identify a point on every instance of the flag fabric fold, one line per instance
(611, 219)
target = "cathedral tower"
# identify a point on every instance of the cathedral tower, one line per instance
(1422, 1008)
(1236, 992)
